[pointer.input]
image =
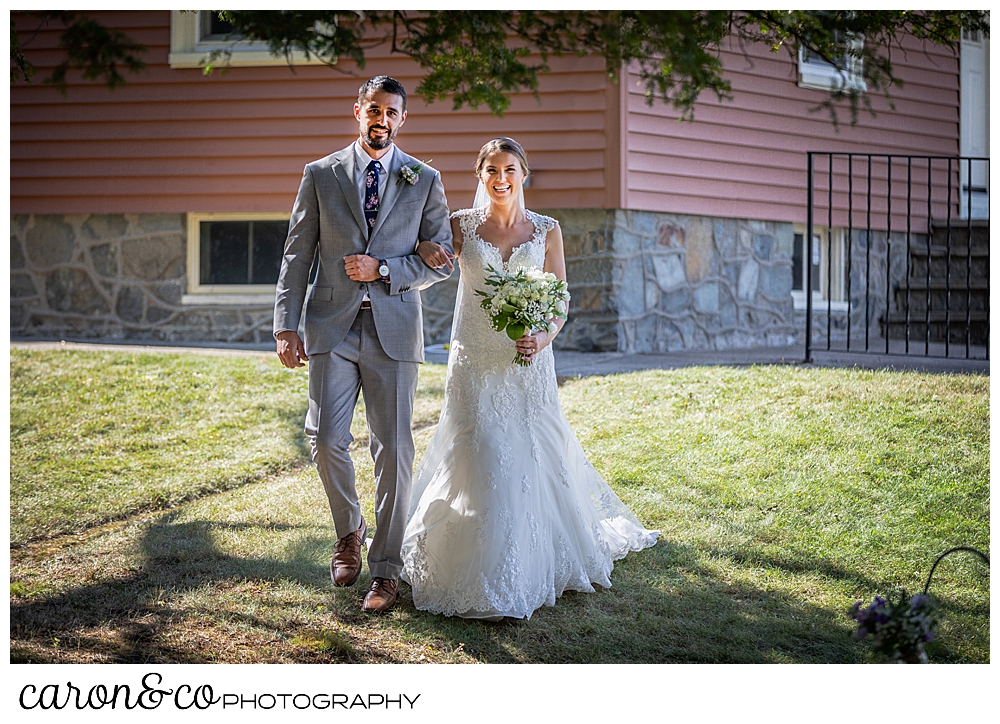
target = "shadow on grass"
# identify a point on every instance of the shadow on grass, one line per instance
(665, 606)
(179, 557)
(798, 563)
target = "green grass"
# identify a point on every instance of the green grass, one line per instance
(97, 437)
(796, 491)
(782, 494)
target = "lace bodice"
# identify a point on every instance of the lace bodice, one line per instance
(530, 254)
(472, 335)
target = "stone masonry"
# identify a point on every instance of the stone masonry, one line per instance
(641, 282)
(652, 282)
(114, 277)
(867, 291)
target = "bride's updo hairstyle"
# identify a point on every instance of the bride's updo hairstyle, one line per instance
(502, 145)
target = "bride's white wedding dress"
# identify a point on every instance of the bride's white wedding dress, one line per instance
(506, 511)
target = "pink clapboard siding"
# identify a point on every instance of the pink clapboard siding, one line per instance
(175, 140)
(747, 158)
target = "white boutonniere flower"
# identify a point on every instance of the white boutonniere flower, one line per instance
(411, 174)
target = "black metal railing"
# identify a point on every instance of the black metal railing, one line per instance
(907, 254)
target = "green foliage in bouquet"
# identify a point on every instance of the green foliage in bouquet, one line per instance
(528, 299)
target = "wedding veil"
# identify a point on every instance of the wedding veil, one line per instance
(482, 199)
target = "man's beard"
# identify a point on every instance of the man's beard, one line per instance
(379, 143)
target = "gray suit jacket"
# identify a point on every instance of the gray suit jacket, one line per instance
(327, 216)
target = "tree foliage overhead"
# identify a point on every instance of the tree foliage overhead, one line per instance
(94, 49)
(482, 56)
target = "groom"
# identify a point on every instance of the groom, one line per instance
(360, 212)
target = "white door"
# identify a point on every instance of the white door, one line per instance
(975, 123)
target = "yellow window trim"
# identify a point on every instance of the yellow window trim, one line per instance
(195, 287)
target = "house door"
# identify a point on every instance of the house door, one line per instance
(975, 123)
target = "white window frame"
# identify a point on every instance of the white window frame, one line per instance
(189, 50)
(224, 294)
(974, 122)
(825, 76)
(838, 280)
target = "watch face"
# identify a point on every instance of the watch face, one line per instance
(383, 270)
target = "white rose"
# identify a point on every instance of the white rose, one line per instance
(552, 328)
(561, 306)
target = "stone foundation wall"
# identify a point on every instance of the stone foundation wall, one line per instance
(650, 282)
(641, 282)
(867, 300)
(677, 282)
(114, 277)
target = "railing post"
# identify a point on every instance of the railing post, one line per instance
(940, 284)
(807, 254)
(987, 266)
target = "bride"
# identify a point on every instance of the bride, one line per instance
(506, 511)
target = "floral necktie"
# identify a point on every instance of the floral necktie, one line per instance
(371, 194)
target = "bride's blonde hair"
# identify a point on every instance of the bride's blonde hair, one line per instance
(502, 145)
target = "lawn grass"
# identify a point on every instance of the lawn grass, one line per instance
(97, 437)
(783, 495)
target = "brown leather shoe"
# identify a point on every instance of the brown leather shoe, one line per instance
(345, 566)
(382, 595)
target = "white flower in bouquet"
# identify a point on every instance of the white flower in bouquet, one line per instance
(522, 301)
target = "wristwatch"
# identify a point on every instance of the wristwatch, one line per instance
(383, 270)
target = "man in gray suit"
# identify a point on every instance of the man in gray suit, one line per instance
(359, 212)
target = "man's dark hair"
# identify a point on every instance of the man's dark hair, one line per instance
(381, 83)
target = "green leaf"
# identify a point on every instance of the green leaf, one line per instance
(515, 331)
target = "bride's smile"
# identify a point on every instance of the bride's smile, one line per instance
(502, 176)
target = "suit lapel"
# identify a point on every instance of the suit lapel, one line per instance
(344, 173)
(392, 191)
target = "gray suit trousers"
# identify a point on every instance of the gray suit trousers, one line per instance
(388, 385)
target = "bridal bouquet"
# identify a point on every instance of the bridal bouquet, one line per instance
(525, 300)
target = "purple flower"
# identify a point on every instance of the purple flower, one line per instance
(899, 626)
(919, 600)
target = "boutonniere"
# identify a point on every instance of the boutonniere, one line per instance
(411, 174)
